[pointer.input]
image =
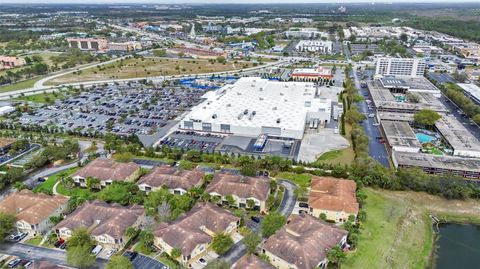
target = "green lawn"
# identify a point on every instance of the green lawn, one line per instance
(395, 235)
(80, 192)
(20, 85)
(302, 180)
(48, 184)
(41, 97)
(34, 241)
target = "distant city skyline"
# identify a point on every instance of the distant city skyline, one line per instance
(222, 1)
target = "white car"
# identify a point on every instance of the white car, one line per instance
(376, 124)
(110, 252)
(371, 115)
(97, 250)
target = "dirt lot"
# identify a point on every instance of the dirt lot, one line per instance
(131, 68)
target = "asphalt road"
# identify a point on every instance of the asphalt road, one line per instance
(375, 149)
(29, 252)
(285, 208)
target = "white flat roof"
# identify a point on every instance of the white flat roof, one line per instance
(271, 100)
(472, 89)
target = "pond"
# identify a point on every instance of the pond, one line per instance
(458, 246)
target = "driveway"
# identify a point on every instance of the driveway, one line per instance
(29, 252)
(286, 208)
(144, 262)
(289, 200)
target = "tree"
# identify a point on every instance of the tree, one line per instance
(160, 53)
(81, 237)
(175, 253)
(221, 243)
(7, 223)
(80, 256)
(119, 262)
(272, 223)
(335, 255)
(251, 241)
(426, 117)
(230, 200)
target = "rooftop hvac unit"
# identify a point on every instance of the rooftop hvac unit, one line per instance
(281, 94)
(245, 112)
(239, 93)
(260, 98)
(214, 116)
(274, 108)
(240, 116)
(278, 121)
(229, 105)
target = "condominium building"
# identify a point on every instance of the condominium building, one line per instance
(318, 46)
(94, 44)
(400, 67)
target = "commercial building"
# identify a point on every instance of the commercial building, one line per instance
(177, 181)
(107, 171)
(439, 164)
(124, 46)
(33, 210)
(247, 192)
(400, 136)
(412, 67)
(94, 44)
(320, 46)
(471, 90)
(336, 198)
(303, 243)
(312, 74)
(254, 106)
(192, 233)
(458, 137)
(305, 33)
(106, 223)
(8, 62)
(390, 95)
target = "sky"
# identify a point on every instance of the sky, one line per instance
(224, 1)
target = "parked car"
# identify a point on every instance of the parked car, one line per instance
(302, 204)
(111, 252)
(97, 250)
(130, 255)
(18, 236)
(59, 242)
(14, 263)
(255, 219)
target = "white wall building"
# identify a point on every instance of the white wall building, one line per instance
(321, 46)
(254, 106)
(400, 67)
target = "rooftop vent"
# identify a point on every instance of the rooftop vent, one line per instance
(278, 121)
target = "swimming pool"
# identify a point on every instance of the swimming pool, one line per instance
(423, 138)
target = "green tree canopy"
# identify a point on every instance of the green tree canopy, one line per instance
(81, 237)
(221, 243)
(119, 262)
(272, 223)
(426, 117)
(251, 241)
(7, 223)
(80, 256)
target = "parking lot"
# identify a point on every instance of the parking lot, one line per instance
(144, 262)
(193, 141)
(122, 110)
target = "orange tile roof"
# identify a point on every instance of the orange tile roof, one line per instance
(333, 194)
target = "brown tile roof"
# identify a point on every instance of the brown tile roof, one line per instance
(172, 178)
(100, 218)
(31, 207)
(105, 169)
(251, 262)
(186, 232)
(333, 194)
(241, 186)
(304, 241)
